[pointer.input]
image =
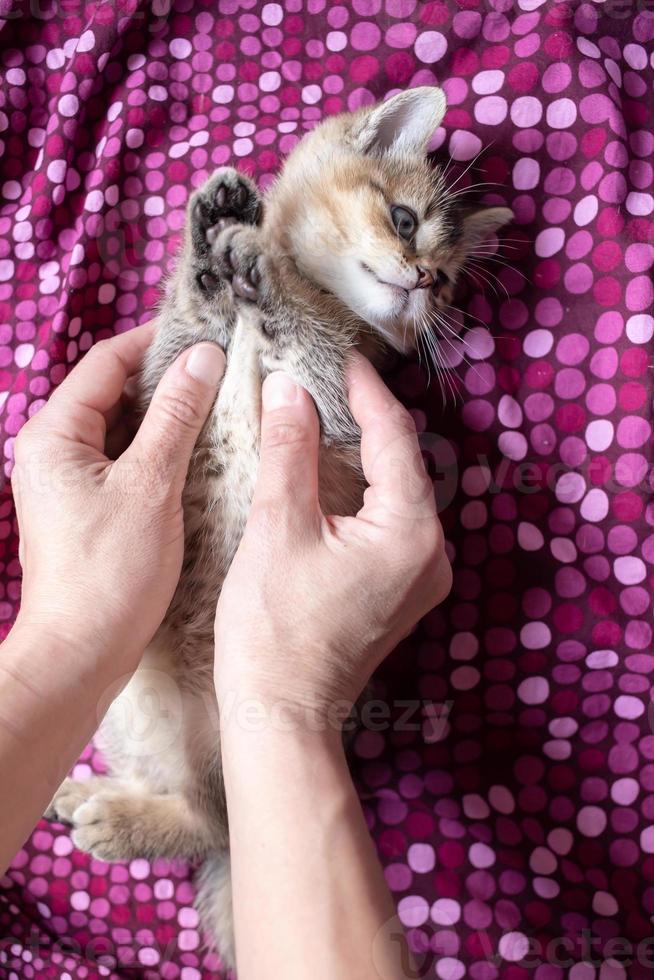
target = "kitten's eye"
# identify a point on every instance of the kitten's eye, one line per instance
(404, 221)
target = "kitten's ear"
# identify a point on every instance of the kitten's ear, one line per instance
(405, 122)
(478, 225)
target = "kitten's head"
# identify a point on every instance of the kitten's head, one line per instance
(367, 217)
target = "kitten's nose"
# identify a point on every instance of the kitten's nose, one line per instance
(424, 280)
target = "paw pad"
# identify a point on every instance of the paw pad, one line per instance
(245, 277)
(226, 198)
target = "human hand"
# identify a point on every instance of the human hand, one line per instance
(101, 540)
(313, 603)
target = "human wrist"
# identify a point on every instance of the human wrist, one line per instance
(35, 628)
(42, 673)
(78, 646)
(281, 697)
(294, 755)
(262, 710)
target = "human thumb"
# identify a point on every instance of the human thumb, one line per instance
(287, 481)
(176, 414)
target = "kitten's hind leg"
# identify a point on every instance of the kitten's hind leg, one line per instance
(214, 904)
(228, 197)
(121, 826)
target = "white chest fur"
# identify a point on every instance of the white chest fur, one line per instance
(234, 428)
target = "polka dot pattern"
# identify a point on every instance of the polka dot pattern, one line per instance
(516, 806)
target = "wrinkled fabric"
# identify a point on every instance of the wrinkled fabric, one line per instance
(510, 785)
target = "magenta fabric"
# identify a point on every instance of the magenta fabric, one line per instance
(514, 811)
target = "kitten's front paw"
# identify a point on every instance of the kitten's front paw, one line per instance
(228, 197)
(104, 826)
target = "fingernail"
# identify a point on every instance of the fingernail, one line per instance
(278, 391)
(206, 363)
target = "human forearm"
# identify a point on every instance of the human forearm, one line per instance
(308, 888)
(310, 606)
(91, 599)
(53, 694)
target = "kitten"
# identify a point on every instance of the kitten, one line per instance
(356, 243)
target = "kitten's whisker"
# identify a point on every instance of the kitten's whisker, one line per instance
(453, 334)
(448, 167)
(434, 347)
(441, 316)
(432, 352)
(466, 360)
(494, 278)
(441, 374)
(457, 336)
(446, 373)
(503, 245)
(464, 313)
(471, 164)
(486, 243)
(495, 336)
(417, 341)
(486, 248)
(487, 275)
(451, 375)
(477, 274)
(420, 336)
(464, 172)
(475, 187)
(481, 183)
(490, 257)
(512, 268)
(429, 354)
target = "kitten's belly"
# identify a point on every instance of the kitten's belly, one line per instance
(234, 431)
(218, 494)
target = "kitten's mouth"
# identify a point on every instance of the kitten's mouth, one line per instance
(399, 291)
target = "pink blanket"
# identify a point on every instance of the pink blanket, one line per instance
(514, 808)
